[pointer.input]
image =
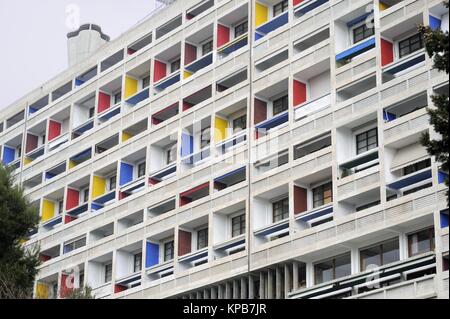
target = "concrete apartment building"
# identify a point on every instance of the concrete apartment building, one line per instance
(240, 149)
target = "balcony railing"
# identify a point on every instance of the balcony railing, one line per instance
(271, 25)
(309, 108)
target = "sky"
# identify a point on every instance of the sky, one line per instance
(33, 36)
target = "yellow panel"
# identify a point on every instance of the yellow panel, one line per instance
(220, 132)
(131, 87)
(72, 164)
(99, 187)
(382, 6)
(27, 161)
(262, 14)
(126, 136)
(48, 210)
(41, 291)
(187, 74)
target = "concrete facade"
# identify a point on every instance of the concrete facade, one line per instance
(241, 149)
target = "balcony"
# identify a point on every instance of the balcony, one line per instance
(272, 25)
(163, 174)
(403, 65)
(309, 108)
(357, 49)
(315, 216)
(109, 114)
(233, 46)
(306, 6)
(231, 142)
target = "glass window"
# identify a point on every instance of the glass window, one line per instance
(146, 82)
(112, 183)
(241, 29)
(205, 137)
(331, 269)
(240, 123)
(280, 7)
(238, 225)
(91, 112)
(141, 169)
(280, 210)
(60, 207)
(380, 254)
(362, 32)
(202, 238)
(367, 141)
(410, 45)
(416, 167)
(175, 65)
(137, 265)
(207, 47)
(421, 242)
(86, 195)
(171, 155)
(323, 194)
(168, 251)
(108, 273)
(280, 105)
(117, 97)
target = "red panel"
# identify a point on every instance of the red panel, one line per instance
(387, 52)
(119, 288)
(297, 2)
(68, 219)
(299, 92)
(195, 189)
(32, 142)
(190, 54)
(260, 111)
(73, 198)
(104, 102)
(187, 105)
(160, 71)
(131, 51)
(44, 258)
(300, 201)
(54, 130)
(189, 16)
(184, 242)
(64, 291)
(185, 200)
(223, 35)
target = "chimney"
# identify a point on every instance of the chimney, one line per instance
(84, 41)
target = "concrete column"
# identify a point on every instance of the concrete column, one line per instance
(262, 284)
(213, 292)
(199, 295)
(287, 280)
(228, 290)
(244, 288)
(309, 275)
(295, 276)
(221, 294)
(206, 294)
(270, 284)
(251, 287)
(236, 290)
(278, 283)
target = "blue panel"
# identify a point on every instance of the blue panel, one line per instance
(235, 46)
(258, 36)
(139, 97)
(274, 122)
(435, 23)
(407, 64)
(187, 144)
(389, 116)
(411, 180)
(96, 207)
(240, 242)
(356, 50)
(200, 63)
(274, 229)
(32, 110)
(152, 255)
(9, 155)
(169, 171)
(78, 210)
(79, 82)
(126, 173)
(442, 177)
(54, 222)
(316, 214)
(129, 280)
(359, 19)
(195, 257)
(305, 9)
(171, 81)
(85, 127)
(444, 218)
(110, 115)
(218, 179)
(105, 198)
(49, 175)
(82, 156)
(273, 24)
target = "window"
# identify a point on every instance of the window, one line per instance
(240, 123)
(363, 32)
(171, 155)
(380, 254)
(76, 244)
(141, 169)
(421, 242)
(416, 167)
(410, 45)
(43, 139)
(331, 269)
(137, 262)
(205, 137)
(322, 195)
(366, 206)
(366, 141)
(108, 273)
(280, 7)
(19, 151)
(112, 182)
(91, 112)
(60, 207)
(207, 47)
(146, 82)
(168, 251)
(237, 225)
(280, 105)
(202, 238)
(175, 65)
(117, 97)
(86, 195)
(241, 29)
(280, 210)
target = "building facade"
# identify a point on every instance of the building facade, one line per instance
(241, 149)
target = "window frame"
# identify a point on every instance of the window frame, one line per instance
(108, 272)
(283, 5)
(277, 217)
(168, 250)
(202, 238)
(237, 28)
(409, 45)
(282, 107)
(322, 188)
(431, 239)
(367, 147)
(137, 262)
(381, 246)
(209, 45)
(175, 65)
(139, 169)
(242, 120)
(333, 260)
(362, 26)
(241, 225)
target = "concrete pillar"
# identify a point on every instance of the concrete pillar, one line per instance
(236, 290)
(278, 283)
(295, 276)
(199, 295)
(251, 287)
(213, 292)
(287, 280)
(270, 284)
(244, 288)
(206, 294)
(221, 293)
(228, 290)
(262, 286)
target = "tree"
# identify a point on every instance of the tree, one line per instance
(81, 293)
(437, 46)
(18, 267)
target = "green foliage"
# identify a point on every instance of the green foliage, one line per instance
(437, 47)
(81, 293)
(17, 218)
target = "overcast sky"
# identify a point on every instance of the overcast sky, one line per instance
(33, 36)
